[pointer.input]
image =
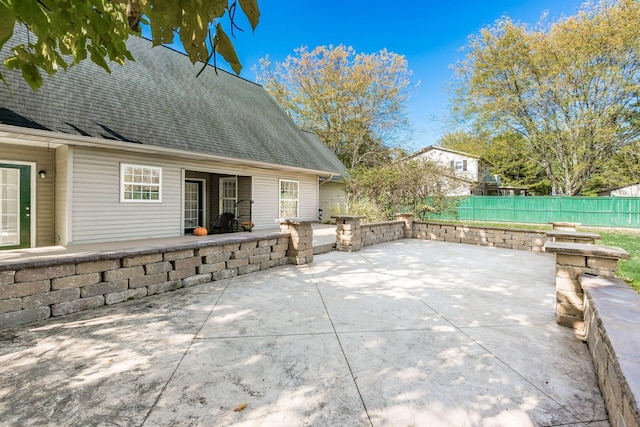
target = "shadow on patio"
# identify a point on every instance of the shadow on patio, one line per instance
(403, 333)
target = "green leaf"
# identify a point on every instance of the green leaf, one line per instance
(225, 48)
(98, 57)
(218, 7)
(32, 76)
(7, 22)
(250, 8)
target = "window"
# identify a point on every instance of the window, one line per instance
(140, 183)
(228, 195)
(288, 199)
(459, 165)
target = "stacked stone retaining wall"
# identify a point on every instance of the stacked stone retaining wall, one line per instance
(611, 319)
(508, 238)
(379, 232)
(33, 291)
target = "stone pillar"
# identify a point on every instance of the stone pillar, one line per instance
(348, 233)
(300, 249)
(408, 224)
(572, 260)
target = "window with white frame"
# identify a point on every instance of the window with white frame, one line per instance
(289, 198)
(228, 195)
(140, 183)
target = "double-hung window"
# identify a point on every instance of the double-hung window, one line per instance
(140, 183)
(289, 201)
(228, 195)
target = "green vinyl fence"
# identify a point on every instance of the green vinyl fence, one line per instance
(595, 211)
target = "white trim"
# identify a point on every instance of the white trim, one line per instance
(123, 166)
(70, 184)
(50, 139)
(280, 181)
(183, 177)
(33, 211)
(203, 201)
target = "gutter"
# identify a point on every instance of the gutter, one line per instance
(45, 138)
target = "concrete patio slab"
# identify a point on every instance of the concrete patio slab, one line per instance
(403, 333)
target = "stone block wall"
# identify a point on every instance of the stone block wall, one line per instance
(611, 320)
(379, 232)
(508, 238)
(29, 293)
(573, 260)
(348, 233)
(300, 250)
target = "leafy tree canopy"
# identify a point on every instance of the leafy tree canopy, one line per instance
(418, 186)
(356, 103)
(66, 32)
(570, 89)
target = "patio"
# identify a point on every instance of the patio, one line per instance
(410, 332)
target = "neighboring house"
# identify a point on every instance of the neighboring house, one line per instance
(148, 151)
(628, 191)
(470, 173)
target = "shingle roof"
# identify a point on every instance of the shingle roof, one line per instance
(158, 101)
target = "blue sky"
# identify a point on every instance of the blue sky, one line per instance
(429, 33)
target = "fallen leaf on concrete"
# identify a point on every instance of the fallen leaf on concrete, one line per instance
(240, 407)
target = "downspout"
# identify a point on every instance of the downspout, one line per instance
(326, 180)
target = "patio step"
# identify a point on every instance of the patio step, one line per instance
(321, 249)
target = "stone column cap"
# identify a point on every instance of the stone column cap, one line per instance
(297, 221)
(348, 217)
(586, 250)
(568, 233)
(404, 214)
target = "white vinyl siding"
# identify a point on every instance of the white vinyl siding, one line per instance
(266, 194)
(289, 198)
(332, 195)
(99, 216)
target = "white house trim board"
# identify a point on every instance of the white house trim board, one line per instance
(18, 135)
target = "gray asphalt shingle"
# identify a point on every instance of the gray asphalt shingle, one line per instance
(158, 101)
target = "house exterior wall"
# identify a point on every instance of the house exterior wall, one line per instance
(469, 178)
(100, 216)
(331, 194)
(44, 158)
(445, 158)
(630, 191)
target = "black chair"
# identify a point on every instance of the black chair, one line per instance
(224, 223)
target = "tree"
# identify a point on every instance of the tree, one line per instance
(356, 103)
(66, 32)
(418, 185)
(570, 90)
